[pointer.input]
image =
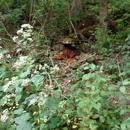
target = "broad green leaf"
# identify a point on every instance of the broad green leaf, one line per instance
(126, 82)
(41, 126)
(18, 50)
(92, 66)
(123, 89)
(25, 73)
(23, 118)
(53, 103)
(37, 79)
(25, 43)
(45, 113)
(4, 51)
(53, 122)
(97, 106)
(18, 111)
(17, 98)
(24, 126)
(3, 101)
(18, 90)
(2, 68)
(86, 77)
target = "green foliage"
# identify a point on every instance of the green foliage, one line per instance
(32, 98)
(32, 95)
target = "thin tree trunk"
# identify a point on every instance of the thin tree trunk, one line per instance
(76, 6)
(103, 14)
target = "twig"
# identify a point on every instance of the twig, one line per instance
(119, 70)
(73, 28)
(6, 30)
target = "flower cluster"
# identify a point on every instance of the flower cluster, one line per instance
(1, 56)
(25, 82)
(4, 115)
(14, 80)
(24, 34)
(21, 61)
(40, 99)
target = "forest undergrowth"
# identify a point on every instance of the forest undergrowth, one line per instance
(52, 78)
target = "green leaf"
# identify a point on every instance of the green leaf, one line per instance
(4, 51)
(97, 106)
(123, 89)
(37, 79)
(18, 50)
(17, 98)
(53, 103)
(25, 73)
(2, 68)
(126, 82)
(23, 118)
(53, 122)
(92, 66)
(25, 43)
(18, 90)
(45, 113)
(24, 126)
(18, 111)
(86, 77)
(3, 101)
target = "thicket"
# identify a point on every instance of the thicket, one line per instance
(37, 93)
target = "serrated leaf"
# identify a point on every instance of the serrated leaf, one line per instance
(37, 79)
(123, 89)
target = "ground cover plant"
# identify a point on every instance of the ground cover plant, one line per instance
(45, 88)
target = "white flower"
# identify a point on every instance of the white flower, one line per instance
(55, 69)
(46, 66)
(8, 56)
(15, 38)
(14, 79)
(40, 67)
(1, 56)
(22, 60)
(25, 82)
(19, 32)
(26, 35)
(26, 26)
(6, 79)
(30, 39)
(36, 72)
(5, 87)
(4, 115)
(1, 47)
(29, 30)
(45, 119)
(32, 101)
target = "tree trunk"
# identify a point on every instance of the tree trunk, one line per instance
(103, 14)
(76, 6)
